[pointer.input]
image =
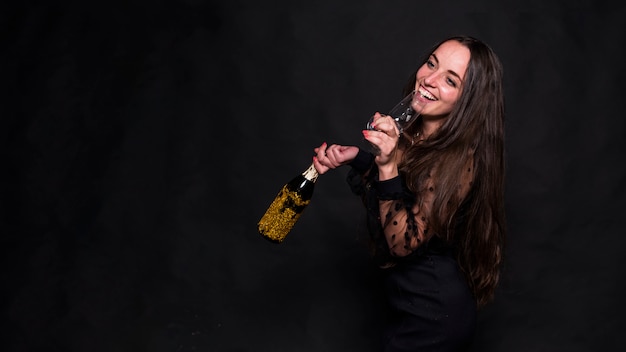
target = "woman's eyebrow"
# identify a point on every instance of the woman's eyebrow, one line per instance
(455, 74)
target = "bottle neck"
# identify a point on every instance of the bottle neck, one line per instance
(310, 173)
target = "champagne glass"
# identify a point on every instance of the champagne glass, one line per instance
(403, 114)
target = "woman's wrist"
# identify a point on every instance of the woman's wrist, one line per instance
(387, 172)
(388, 189)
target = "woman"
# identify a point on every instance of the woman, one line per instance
(434, 197)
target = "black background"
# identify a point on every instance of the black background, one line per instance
(143, 140)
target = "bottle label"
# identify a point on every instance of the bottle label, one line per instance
(282, 215)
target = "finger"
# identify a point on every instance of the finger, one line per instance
(324, 156)
(331, 155)
(384, 144)
(387, 125)
(373, 137)
(376, 120)
(378, 136)
(321, 151)
(321, 169)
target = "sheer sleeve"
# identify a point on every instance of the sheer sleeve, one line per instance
(398, 220)
(404, 227)
(405, 220)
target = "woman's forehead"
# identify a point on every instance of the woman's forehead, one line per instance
(453, 56)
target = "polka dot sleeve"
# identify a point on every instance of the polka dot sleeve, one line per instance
(405, 221)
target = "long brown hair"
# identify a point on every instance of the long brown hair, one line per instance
(474, 128)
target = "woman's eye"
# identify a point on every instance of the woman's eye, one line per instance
(430, 63)
(451, 82)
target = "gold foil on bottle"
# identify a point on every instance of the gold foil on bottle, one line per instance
(281, 215)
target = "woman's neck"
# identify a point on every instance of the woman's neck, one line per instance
(429, 127)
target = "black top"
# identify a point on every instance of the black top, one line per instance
(430, 305)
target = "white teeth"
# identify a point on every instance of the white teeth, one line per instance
(426, 94)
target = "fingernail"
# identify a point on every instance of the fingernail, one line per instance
(365, 132)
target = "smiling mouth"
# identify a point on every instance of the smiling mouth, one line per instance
(426, 94)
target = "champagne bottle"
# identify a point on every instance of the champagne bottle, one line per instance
(288, 205)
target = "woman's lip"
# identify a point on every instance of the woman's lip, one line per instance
(419, 101)
(421, 87)
(420, 98)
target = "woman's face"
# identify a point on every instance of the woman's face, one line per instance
(440, 80)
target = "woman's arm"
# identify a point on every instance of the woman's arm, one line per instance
(405, 220)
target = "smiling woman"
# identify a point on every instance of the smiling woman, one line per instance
(434, 197)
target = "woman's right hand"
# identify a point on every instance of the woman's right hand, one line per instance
(385, 137)
(330, 157)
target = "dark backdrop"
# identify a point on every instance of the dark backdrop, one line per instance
(143, 140)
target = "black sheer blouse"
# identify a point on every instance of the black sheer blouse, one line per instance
(397, 219)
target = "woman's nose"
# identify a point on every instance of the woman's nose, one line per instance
(430, 80)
